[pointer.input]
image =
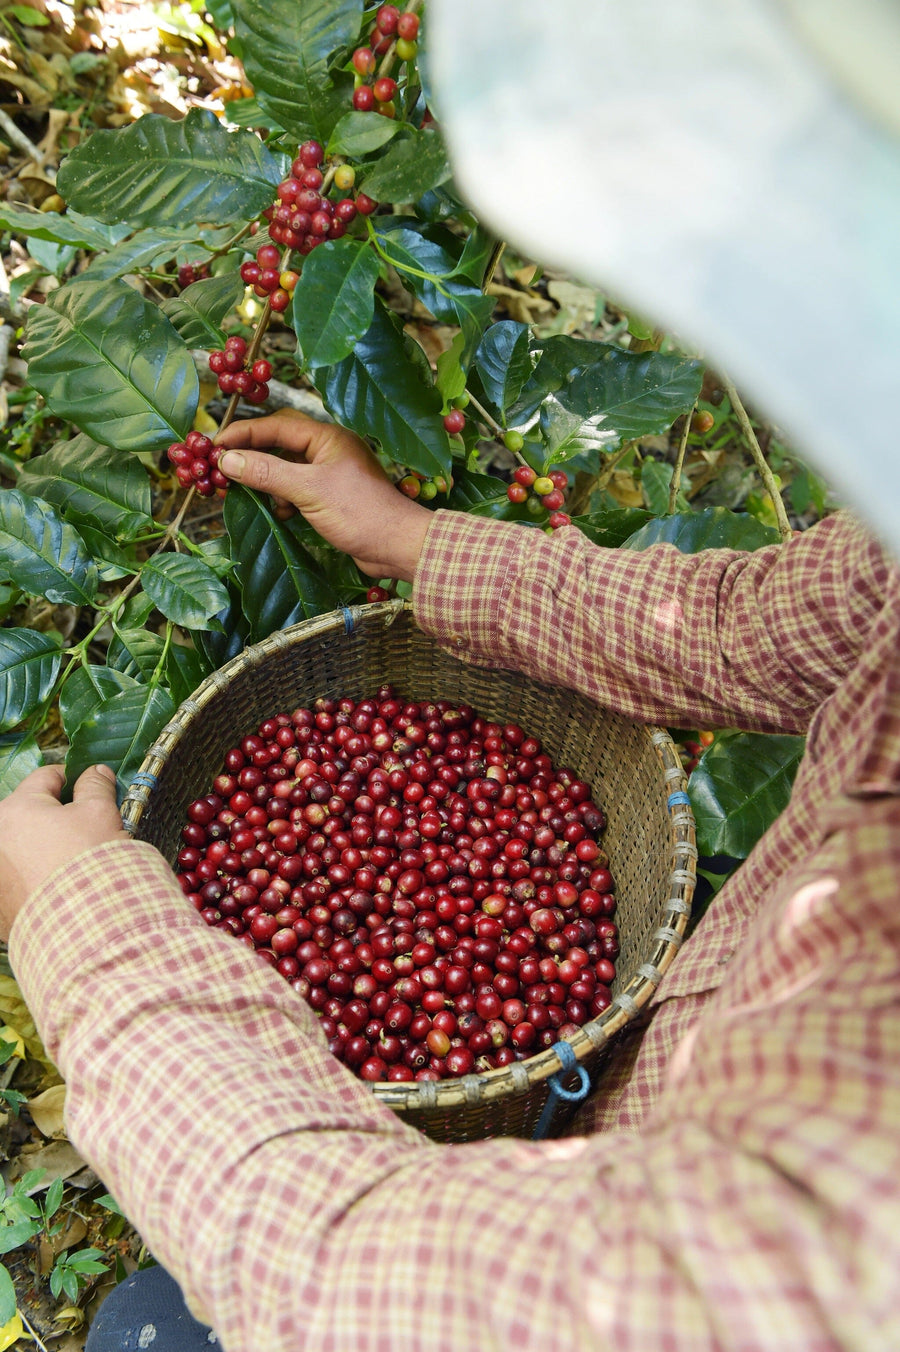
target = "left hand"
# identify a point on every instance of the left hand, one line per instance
(39, 834)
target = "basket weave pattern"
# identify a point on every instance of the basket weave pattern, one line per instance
(634, 772)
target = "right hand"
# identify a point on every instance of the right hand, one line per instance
(331, 476)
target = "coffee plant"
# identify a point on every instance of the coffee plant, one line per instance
(183, 249)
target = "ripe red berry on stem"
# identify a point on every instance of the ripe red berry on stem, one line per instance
(364, 60)
(387, 18)
(363, 99)
(454, 421)
(408, 27)
(384, 89)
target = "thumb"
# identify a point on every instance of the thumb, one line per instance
(265, 473)
(96, 785)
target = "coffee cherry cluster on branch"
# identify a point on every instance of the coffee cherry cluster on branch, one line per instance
(196, 462)
(189, 273)
(393, 31)
(424, 877)
(304, 216)
(549, 488)
(235, 376)
(415, 485)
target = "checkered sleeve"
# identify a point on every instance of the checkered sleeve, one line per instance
(719, 638)
(755, 1211)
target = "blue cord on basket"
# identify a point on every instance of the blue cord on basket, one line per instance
(675, 798)
(570, 1062)
(348, 619)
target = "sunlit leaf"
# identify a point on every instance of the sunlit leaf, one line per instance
(93, 484)
(713, 528)
(84, 690)
(42, 554)
(198, 311)
(334, 300)
(410, 168)
(19, 755)
(29, 665)
(184, 589)
(110, 362)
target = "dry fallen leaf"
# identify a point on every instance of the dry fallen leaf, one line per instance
(47, 1111)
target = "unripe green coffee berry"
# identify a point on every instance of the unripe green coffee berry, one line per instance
(513, 441)
(428, 491)
(543, 485)
(406, 50)
(344, 177)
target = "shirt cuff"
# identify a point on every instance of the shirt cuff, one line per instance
(463, 579)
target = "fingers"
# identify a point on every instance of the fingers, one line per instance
(266, 473)
(289, 429)
(47, 779)
(97, 785)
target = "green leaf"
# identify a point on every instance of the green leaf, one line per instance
(146, 249)
(54, 257)
(184, 589)
(41, 553)
(358, 134)
(503, 362)
(411, 166)
(53, 1199)
(610, 529)
(378, 391)
(108, 361)
(743, 782)
(29, 665)
(713, 528)
(334, 300)
(73, 228)
(161, 172)
(119, 732)
(451, 378)
(85, 690)
(94, 484)
(18, 757)
(218, 648)
(28, 16)
(7, 1297)
(110, 1204)
(450, 299)
(112, 560)
(656, 479)
(197, 313)
(280, 581)
(481, 495)
(622, 396)
(185, 669)
(287, 51)
(135, 653)
(18, 1233)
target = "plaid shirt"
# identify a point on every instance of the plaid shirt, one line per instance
(744, 1192)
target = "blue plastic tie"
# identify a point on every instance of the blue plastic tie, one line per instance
(349, 621)
(674, 799)
(143, 778)
(570, 1062)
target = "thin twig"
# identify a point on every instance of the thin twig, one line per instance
(32, 1332)
(20, 140)
(784, 526)
(679, 461)
(491, 422)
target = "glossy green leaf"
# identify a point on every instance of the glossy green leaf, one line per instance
(451, 378)
(82, 231)
(380, 393)
(450, 298)
(334, 300)
(218, 647)
(743, 782)
(119, 732)
(92, 484)
(410, 168)
(280, 581)
(159, 172)
(198, 312)
(504, 363)
(288, 50)
(713, 528)
(85, 690)
(358, 134)
(41, 553)
(481, 495)
(185, 669)
(110, 362)
(19, 755)
(146, 249)
(113, 561)
(29, 665)
(623, 396)
(14, 1235)
(611, 529)
(136, 653)
(184, 589)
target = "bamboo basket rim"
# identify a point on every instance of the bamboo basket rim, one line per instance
(593, 1037)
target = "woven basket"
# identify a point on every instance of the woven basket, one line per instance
(634, 772)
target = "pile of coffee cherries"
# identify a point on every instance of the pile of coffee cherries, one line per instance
(196, 461)
(422, 876)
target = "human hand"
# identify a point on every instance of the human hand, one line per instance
(39, 834)
(331, 476)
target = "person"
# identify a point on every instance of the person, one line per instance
(732, 1183)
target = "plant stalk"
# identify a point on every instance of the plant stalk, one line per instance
(784, 526)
